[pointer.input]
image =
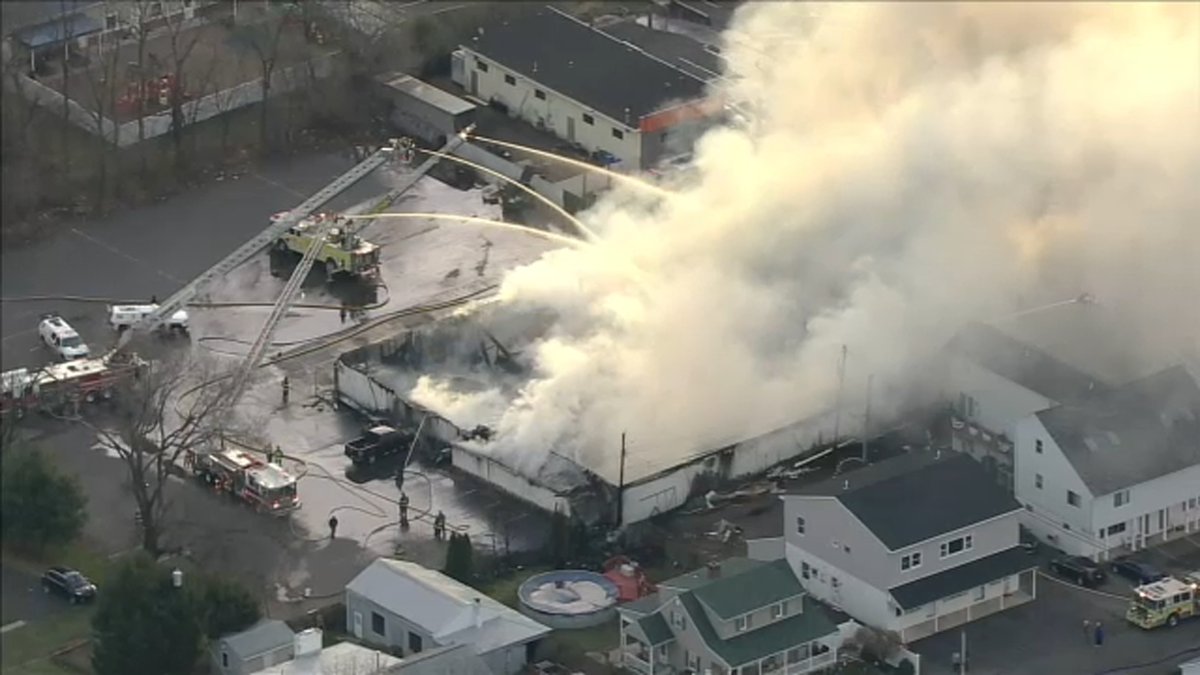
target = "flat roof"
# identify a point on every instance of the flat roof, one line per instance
(442, 100)
(585, 64)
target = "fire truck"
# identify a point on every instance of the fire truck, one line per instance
(265, 487)
(60, 387)
(1165, 602)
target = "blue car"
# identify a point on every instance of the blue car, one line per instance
(1139, 573)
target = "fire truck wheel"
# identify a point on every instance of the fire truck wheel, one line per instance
(90, 397)
(281, 245)
(1173, 620)
(107, 394)
(330, 268)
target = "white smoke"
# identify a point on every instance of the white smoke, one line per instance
(907, 168)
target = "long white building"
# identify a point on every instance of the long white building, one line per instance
(585, 86)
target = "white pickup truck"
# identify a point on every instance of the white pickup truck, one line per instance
(122, 317)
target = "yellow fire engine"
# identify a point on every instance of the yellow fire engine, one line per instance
(1167, 601)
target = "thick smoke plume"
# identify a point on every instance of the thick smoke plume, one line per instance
(903, 169)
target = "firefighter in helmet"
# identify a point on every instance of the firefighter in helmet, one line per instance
(404, 510)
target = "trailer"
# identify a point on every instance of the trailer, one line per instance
(265, 487)
(424, 111)
(61, 387)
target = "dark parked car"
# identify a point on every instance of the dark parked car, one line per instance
(1139, 573)
(1079, 570)
(69, 584)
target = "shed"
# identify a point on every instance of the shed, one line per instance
(423, 110)
(267, 643)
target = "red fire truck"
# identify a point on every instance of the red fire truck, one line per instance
(266, 487)
(60, 387)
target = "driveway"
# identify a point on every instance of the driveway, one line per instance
(1046, 636)
(23, 599)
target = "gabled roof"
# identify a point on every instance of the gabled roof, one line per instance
(265, 636)
(958, 579)
(730, 567)
(443, 607)
(733, 595)
(1024, 364)
(718, 15)
(918, 496)
(585, 64)
(809, 624)
(1143, 430)
(656, 629)
(643, 606)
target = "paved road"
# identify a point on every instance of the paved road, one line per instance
(23, 599)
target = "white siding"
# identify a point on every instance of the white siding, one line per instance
(1047, 514)
(766, 549)
(1000, 403)
(554, 112)
(852, 595)
(1176, 495)
(987, 538)
(506, 479)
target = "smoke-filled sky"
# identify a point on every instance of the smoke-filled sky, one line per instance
(905, 168)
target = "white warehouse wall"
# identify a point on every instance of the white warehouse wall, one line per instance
(554, 112)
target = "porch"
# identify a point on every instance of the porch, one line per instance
(962, 608)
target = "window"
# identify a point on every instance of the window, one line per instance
(539, 94)
(509, 79)
(980, 592)
(1121, 498)
(805, 570)
(1192, 503)
(414, 642)
(377, 626)
(678, 620)
(1037, 446)
(618, 134)
(1072, 498)
(110, 22)
(156, 9)
(910, 561)
(800, 524)
(1037, 480)
(931, 609)
(739, 624)
(778, 610)
(588, 119)
(479, 64)
(956, 546)
(224, 659)
(835, 582)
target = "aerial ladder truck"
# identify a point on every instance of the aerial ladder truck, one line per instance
(263, 485)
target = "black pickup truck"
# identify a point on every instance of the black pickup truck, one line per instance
(376, 443)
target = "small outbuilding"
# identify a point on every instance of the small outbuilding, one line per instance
(267, 643)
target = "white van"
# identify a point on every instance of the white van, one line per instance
(62, 339)
(122, 317)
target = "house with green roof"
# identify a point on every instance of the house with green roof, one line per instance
(735, 617)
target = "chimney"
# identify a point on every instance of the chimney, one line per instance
(627, 114)
(714, 570)
(476, 614)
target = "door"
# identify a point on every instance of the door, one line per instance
(570, 129)
(358, 625)
(474, 82)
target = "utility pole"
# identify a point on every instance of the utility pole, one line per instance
(621, 484)
(962, 664)
(867, 418)
(837, 411)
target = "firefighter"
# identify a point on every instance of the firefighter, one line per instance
(403, 510)
(439, 526)
(286, 389)
(332, 527)
(342, 313)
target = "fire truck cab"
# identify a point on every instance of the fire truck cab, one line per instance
(1164, 602)
(264, 486)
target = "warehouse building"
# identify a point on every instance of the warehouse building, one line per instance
(614, 487)
(591, 89)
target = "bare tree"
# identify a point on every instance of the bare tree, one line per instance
(263, 38)
(172, 408)
(102, 94)
(182, 43)
(21, 161)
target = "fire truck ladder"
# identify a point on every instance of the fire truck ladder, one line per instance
(255, 356)
(261, 240)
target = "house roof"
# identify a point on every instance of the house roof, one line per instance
(645, 605)
(440, 99)
(961, 578)
(679, 50)
(264, 636)
(717, 14)
(1143, 430)
(442, 606)
(809, 624)
(733, 595)
(915, 497)
(343, 657)
(730, 567)
(585, 64)
(456, 659)
(656, 629)
(18, 15)
(1024, 364)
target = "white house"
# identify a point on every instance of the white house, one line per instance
(585, 86)
(1118, 473)
(917, 544)
(400, 605)
(994, 381)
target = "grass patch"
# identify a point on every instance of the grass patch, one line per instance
(41, 639)
(43, 667)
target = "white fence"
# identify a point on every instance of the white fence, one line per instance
(247, 93)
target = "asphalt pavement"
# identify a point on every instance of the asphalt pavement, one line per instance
(23, 601)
